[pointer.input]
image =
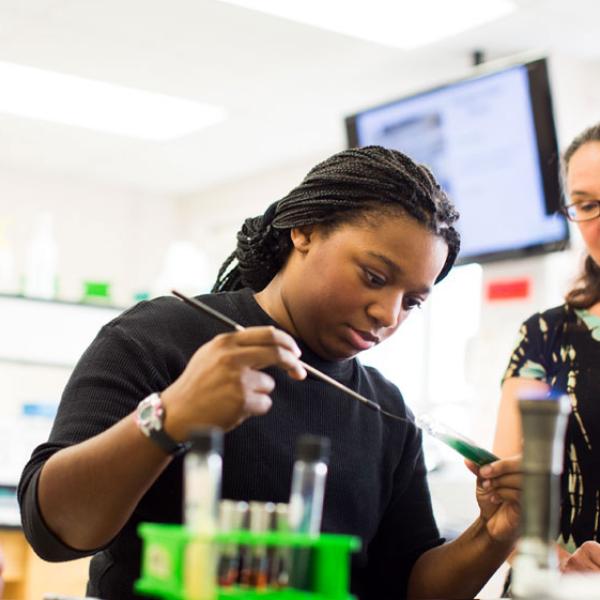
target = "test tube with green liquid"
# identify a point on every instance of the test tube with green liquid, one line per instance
(455, 440)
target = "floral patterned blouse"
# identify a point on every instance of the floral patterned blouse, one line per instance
(561, 346)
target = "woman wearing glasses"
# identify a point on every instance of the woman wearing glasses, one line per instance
(561, 348)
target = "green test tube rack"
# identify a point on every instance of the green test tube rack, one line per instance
(163, 555)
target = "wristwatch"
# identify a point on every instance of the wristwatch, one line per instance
(150, 418)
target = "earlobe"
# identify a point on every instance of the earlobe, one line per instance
(301, 237)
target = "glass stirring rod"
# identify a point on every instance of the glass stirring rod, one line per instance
(340, 386)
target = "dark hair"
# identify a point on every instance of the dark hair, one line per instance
(342, 189)
(587, 288)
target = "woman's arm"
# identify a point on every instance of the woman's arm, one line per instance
(461, 568)
(87, 492)
(458, 569)
(508, 440)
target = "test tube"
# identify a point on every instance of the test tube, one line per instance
(202, 489)
(232, 517)
(308, 484)
(255, 574)
(306, 500)
(455, 440)
(280, 555)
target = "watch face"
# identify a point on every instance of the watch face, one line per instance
(146, 413)
(149, 415)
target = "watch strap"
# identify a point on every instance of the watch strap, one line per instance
(166, 442)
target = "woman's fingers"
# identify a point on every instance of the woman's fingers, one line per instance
(591, 549)
(504, 495)
(260, 357)
(223, 382)
(257, 381)
(585, 558)
(265, 336)
(261, 347)
(501, 467)
(502, 480)
(258, 404)
(258, 385)
(474, 468)
(513, 481)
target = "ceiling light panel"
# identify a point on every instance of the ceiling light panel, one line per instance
(402, 24)
(49, 96)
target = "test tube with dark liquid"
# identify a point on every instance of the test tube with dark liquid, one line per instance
(280, 556)
(455, 440)
(232, 516)
(255, 571)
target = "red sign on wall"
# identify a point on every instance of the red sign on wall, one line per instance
(509, 289)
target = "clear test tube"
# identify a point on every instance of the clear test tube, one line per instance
(244, 551)
(308, 484)
(280, 555)
(306, 501)
(463, 445)
(256, 573)
(202, 489)
(232, 517)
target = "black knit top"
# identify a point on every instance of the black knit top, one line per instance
(376, 486)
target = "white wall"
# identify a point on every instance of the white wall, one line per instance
(102, 233)
(576, 94)
(211, 218)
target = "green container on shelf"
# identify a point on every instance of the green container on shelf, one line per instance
(96, 292)
(163, 552)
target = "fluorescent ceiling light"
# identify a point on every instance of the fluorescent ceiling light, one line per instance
(402, 24)
(49, 96)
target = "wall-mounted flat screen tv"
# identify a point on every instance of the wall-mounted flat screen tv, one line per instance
(491, 142)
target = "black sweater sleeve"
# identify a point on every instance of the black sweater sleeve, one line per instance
(111, 377)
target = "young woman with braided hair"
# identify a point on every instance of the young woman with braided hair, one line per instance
(328, 271)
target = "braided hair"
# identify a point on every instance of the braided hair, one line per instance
(587, 288)
(341, 189)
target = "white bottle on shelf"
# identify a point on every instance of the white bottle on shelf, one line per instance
(42, 260)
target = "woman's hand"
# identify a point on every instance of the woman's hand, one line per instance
(223, 383)
(498, 495)
(585, 558)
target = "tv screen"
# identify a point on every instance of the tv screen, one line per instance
(490, 141)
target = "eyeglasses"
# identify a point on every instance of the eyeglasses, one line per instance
(582, 211)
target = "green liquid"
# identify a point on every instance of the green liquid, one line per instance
(478, 455)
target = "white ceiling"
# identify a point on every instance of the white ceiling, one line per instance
(287, 87)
